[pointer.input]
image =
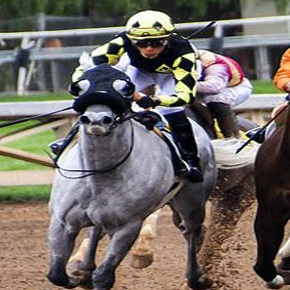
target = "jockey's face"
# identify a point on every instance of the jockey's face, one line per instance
(151, 48)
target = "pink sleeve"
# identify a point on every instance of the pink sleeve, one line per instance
(216, 78)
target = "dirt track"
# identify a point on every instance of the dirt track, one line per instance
(24, 259)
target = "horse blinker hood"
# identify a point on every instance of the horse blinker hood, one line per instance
(104, 85)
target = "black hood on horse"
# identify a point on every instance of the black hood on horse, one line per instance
(104, 85)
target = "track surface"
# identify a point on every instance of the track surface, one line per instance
(24, 256)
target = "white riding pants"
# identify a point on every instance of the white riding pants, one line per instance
(232, 96)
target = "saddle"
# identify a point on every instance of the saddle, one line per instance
(154, 121)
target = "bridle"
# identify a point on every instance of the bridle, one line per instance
(88, 172)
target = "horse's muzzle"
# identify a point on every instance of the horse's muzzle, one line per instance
(97, 124)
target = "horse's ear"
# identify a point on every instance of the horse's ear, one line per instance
(124, 87)
(79, 87)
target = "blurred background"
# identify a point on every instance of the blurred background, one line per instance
(41, 40)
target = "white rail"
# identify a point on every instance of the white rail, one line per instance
(14, 110)
(259, 43)
(114, 30)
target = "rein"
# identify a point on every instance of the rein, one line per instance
(90, 172)
(10, 123)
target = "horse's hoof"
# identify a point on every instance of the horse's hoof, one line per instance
(141, 261)
(73, 283)
(86, 285)
(83, 276)
(63, 281)
(285, 274)
(277, 283)
(202, 283)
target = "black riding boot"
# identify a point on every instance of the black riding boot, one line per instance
(226, 119)
(58, 146)
(184, 138)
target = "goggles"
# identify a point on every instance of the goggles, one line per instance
(155, 43)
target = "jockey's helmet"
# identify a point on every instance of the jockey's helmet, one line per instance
(149, 24)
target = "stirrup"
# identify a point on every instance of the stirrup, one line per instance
(182, 168)
(192, 173)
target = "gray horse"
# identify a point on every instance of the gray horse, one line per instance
(116, 176)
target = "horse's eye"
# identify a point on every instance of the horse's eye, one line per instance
(124, 87)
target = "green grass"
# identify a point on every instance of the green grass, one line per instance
(35, 97)
(20, 194)
(264, 87)
(37, 144)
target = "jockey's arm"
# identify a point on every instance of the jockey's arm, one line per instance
(107, 53)
(215, 78)
(185, 75)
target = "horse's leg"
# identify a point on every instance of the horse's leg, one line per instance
(120, 243)
(142, 254)
(269, 235)
(284, 266)
(82, 263)
(188, 218)
(61, 244)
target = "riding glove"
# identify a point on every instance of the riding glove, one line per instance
(145, 101)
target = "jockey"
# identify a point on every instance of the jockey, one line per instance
(221, 86)
(282, 76)
(282, 82)
(156, 55)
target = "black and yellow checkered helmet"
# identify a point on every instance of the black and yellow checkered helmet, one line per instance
(149, 24)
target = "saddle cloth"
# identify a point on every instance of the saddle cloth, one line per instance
(225, 153)
(154, 120)
(225, 150)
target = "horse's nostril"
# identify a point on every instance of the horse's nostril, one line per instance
(106, 120)
(84, 119)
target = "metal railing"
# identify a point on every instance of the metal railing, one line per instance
(14, 110)
(218, 28)
(259, 43)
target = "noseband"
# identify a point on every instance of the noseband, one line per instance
(88, 172)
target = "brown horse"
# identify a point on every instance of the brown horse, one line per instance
(272, 180)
